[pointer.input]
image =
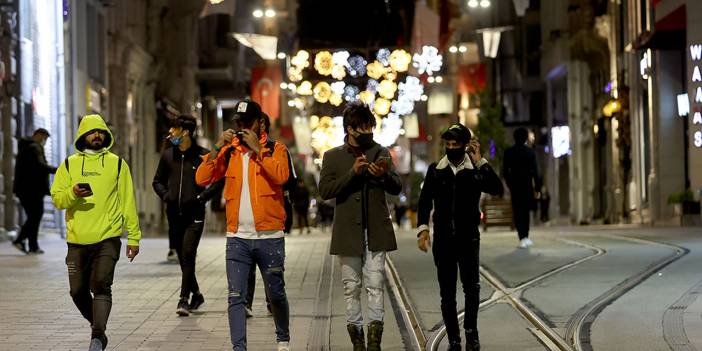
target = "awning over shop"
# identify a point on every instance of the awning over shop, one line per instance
(669, 31)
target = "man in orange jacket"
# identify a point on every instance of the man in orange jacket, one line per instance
(255, 169)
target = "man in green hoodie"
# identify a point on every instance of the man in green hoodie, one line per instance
(95, 188)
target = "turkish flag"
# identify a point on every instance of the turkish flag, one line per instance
(471, 78)
(265, 89)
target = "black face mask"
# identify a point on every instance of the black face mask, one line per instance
(364, 140)
(455, 155)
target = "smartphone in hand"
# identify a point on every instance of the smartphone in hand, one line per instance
(85, 186)
(383, 161)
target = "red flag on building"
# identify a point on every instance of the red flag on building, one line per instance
(471, 78)
(265, 89)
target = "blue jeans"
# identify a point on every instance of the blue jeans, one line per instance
(242, 256)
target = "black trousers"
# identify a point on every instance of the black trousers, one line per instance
(302, 222)
(91, 268)
(451, 257)
(34, 208)
(186, 230)
(521, 209)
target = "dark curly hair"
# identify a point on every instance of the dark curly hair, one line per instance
(358, 115)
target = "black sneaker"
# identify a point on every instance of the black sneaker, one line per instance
(182, 309)
(20, 246)
(36, 252)
(196, 301)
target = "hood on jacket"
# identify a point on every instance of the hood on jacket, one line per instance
(24, 143)
(88, 123)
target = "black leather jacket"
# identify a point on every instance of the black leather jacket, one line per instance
(174, 181)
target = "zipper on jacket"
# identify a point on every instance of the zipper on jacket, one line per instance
(180, 184)
(453, 205)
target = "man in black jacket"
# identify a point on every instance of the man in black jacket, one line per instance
(358, 174)
(522, 176)
(452, 188)
(174, 183)
(31, 184)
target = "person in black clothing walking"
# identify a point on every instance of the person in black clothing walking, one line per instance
(174, 183)
(31, 184)
(522, 176)
(302, 205)
(452, 188)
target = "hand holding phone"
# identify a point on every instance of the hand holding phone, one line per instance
(82, 190)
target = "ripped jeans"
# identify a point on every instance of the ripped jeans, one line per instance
(357, 272)
(242, 256)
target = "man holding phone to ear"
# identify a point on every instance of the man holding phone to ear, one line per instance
(358, 174)
(95, 188)
(452, 189)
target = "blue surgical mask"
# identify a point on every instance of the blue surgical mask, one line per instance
(176, 140)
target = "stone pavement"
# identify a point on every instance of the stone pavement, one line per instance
(38, 314)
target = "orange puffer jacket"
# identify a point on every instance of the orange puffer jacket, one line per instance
(267, 173)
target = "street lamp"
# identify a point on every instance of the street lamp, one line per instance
(270, 13)
(281, 55)
(453, 49)
(485, 4)
(439, 79)
(473, 3)
(258, 13)
(462, 48)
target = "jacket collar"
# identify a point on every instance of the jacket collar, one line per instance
(444, 162)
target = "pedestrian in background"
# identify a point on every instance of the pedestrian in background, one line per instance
(95, 188)
(31, 184)
(358, 174)
(302, 205)
(175, 184)
(452, 190)
(522, 176)
(255, 169)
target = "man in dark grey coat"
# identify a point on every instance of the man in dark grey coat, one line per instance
(358, 174)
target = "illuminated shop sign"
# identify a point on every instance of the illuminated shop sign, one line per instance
(696, 108)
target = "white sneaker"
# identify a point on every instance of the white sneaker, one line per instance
(283, 346)
(249, 312)
(523, 244)
(529, 243)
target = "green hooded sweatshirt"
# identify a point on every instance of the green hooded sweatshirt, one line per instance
(102, 215)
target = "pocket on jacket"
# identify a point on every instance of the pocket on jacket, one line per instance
(230, 187)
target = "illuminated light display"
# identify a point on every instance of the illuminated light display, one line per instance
(387, 89)
(376, 70)
(305, 88)
(382, 106)
(338, 72)
(322, 92)
(400, 60)
(301, 59)
(323, 63)
(357, 66)
(428, 61)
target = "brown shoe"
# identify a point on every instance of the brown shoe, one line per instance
(375, 335)
(357, 337)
